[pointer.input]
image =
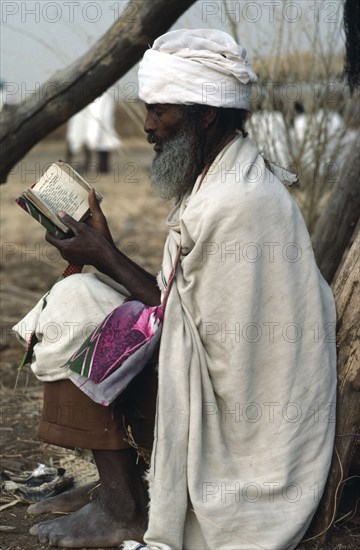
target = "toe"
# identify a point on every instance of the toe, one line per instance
(34, 529)
(63, 542)
(43, 536)
(33, 510)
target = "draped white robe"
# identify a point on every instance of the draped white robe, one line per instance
(247, 368)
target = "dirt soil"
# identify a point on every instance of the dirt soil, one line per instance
(29, 266)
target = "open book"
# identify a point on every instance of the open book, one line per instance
(59, 188)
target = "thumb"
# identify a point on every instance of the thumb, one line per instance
(94, 205)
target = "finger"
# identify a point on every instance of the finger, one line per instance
(94, 203)
(58, 242)
(69, 221)
(52, 239)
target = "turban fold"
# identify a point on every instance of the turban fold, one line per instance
(203, 66)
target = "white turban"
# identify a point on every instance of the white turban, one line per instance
(203, 66)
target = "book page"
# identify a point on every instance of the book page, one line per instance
(59, 191)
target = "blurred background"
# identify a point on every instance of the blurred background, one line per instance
(303, 117)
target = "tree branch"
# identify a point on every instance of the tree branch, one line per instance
(71, 89)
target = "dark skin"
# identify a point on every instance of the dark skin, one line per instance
(117, 510)
(92, 243)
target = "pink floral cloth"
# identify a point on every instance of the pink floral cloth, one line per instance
(119, 335)
(116, 351)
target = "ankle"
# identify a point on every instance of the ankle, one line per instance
(118, 506)
(121, 492)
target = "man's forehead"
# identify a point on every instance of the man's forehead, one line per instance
(151, 106)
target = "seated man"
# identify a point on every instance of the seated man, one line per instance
(246, 369)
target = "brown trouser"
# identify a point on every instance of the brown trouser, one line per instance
(71, 419)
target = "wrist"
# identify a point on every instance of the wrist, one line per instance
(108, 258)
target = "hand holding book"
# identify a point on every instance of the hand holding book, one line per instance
(88, 243)
(97, 219)
(85, 246)
(59, 188)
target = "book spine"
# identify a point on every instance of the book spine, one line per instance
(43, 220)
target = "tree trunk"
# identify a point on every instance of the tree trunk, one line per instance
(336, 224)
(346, 292)
(71, 89)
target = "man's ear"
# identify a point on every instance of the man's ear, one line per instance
(208, 116)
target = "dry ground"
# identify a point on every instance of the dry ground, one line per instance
(29, 267)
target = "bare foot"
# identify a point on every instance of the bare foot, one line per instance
(93, 526)
(65, 502)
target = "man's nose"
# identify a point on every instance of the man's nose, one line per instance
(149, 124)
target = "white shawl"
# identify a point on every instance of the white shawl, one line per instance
(247, 373)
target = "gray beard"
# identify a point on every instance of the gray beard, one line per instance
(174, 169)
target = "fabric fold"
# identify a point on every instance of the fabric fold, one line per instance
(215, 67)
(241, 371)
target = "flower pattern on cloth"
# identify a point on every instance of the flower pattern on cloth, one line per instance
(117, 337)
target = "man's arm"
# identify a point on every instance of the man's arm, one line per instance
(89, 246)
